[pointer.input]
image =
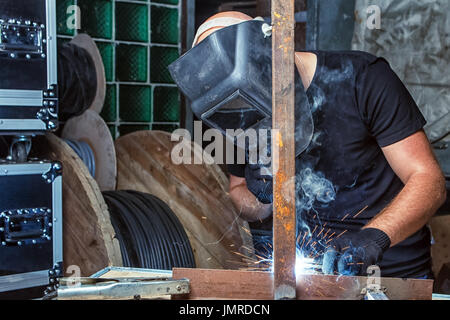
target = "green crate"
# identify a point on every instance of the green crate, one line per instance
(107, 52)
(160, 59)
(62, 17)
(165, 127)
(146, 34)
(112, 129)
(166, 1)
(109, 111)
(166, 104)
(96, 18)
(131, 63)
(165, 25)
(127, 129)
(135, 103)
(131, 22)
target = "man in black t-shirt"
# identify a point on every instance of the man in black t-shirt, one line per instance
(368, 183)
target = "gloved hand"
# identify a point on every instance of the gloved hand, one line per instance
(351, 255)
(260, 182)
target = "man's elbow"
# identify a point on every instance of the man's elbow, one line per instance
(433, 187)
(442, 193)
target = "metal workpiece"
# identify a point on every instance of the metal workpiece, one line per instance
(119, 289)
(371, 294)
(256, 285)
(283, 114)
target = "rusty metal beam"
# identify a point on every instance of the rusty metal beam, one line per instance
(251, 285)
(283, 95)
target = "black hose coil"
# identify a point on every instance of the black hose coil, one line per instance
(77, 80)
(149, 233)
(84, 151)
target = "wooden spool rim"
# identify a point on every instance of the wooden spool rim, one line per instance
(85, 41)
(92, 129)
(89, 237)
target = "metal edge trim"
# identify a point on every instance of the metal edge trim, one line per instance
(24, 169)
(108, 269)
(21, 98)
(22, 94)
(57, 221)
(52, 75)
(22, 124)
(24, 280)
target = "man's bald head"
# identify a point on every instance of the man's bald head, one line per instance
(219, 21)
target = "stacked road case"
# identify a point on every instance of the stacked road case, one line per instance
(31, 200)
(28, 77)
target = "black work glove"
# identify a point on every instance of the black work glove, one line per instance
(260, 182)
(351, 255)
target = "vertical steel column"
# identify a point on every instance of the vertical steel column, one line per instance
(284, 225)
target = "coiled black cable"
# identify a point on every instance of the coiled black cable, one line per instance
(77, 80)
(149, 233)
(174, 237)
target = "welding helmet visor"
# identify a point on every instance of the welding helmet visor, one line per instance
(228, 79)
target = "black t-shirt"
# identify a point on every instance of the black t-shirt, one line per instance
(359, 105)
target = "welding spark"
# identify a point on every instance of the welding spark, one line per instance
(304, 265)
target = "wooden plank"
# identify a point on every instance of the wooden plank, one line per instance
(283, 105)
(198, 195)
(88, 236)
(251, 285)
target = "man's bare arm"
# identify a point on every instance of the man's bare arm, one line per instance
(250, 208)
(414, 163)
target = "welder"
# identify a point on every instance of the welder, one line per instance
(367, 180)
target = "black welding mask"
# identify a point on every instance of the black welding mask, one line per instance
(228, 79)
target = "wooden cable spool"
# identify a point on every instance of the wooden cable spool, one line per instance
(88, 236)
(198, 195)
(86, 42)
(92, 129)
